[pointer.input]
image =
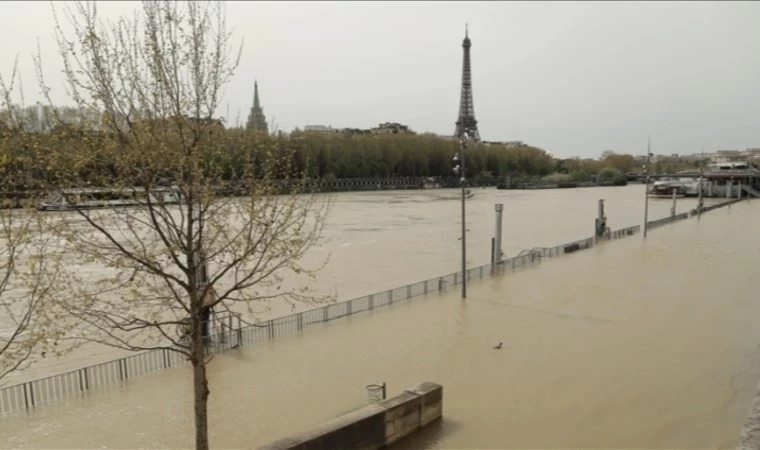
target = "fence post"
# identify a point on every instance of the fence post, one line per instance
(27, 396)
(81, 380)
(408, 291)
(270, 328)
(426, 288)
(390, 296)
(300, 321)
(165, 356)
(371, 302)
(456, 278)
(348, 307)
(440, 284)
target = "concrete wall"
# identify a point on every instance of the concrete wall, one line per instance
(373, 426)
(750, 437)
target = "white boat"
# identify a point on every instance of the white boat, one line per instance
(666, 187)
(692, 187)
(97, 198)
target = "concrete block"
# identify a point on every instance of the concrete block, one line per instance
(374, 426)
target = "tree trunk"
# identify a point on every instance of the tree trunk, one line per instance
(200, 388)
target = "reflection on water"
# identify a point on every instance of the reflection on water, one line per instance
(632, 344)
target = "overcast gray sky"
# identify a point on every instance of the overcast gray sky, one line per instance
(575, 78)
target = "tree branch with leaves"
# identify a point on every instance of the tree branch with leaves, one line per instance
(182, 248)
(29, 259)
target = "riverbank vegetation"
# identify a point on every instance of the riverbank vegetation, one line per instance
(37, 148)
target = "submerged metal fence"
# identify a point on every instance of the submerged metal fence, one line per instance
(28, 395)
(686, 215)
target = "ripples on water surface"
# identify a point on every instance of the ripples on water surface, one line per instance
(400, 237)
(631, 344)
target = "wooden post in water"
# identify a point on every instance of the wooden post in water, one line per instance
(496, 253)
(700, 204)
(493, 252)
(646, 185)
(600, 223)
(673, 208)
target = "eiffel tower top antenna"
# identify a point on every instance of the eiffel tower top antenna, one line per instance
(466, 125)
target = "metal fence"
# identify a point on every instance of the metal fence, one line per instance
(31, 394)
(686, 215)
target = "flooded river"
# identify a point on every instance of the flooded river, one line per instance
(381, 240)
(633, 344)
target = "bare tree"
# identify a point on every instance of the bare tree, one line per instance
(186, 244)
(27, 262)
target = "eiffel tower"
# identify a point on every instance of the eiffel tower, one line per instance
(467, 126)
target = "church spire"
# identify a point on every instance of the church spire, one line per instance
(256, 104)
(256, 119)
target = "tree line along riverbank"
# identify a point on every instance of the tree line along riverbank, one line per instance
(32, 156)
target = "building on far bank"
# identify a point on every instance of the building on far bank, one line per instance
(508, 144)
(391, 128)
(383, 128)
(257, 121)
(321, 128)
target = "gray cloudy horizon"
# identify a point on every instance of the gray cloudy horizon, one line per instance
(574, 78)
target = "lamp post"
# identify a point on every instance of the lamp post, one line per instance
(459, 170)
(646, 184)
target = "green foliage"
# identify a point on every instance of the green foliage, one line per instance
(610, 175)
(319, 155)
